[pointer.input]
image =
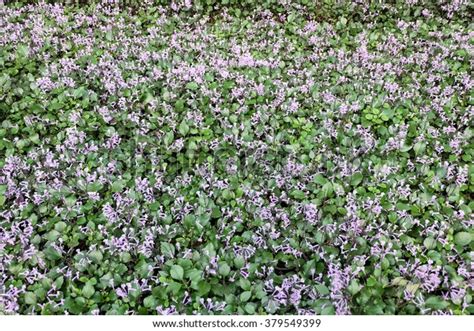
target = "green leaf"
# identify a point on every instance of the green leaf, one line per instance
(354, 287)
(94, 187)
(435, 302)
(239, 262)
(88, 290)
(52, 254)
(177, 272)
(169, 137)
(319, 179)
(109, 36)
(319, 237)
(183, 128)
(224, 269)
(192, 86)
(173, 287)
(22, 51)
(149, 302)
(419, 148)
(322, 289)
(96, 256)
(372, 281)
(328, 310)
(35, 139)
(203, 287)
(194, 275)
(250, 308)
(462, 238)
(402, 206)
(216, 213)
(429, 243)
(179, 105)
(245, 296)
(118, 186)
(53, 235)
(405, 148)
(59, 282)
(30, 298)
(167, 249)
(327, 189)
(125, 257)
(298, 194)
(374, 310)
(60, 226)
(21, 144)
(245, 284)
(356, 179)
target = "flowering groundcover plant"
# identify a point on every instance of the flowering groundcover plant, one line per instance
(163, 160)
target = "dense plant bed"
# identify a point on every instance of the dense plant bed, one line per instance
(165, 161)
